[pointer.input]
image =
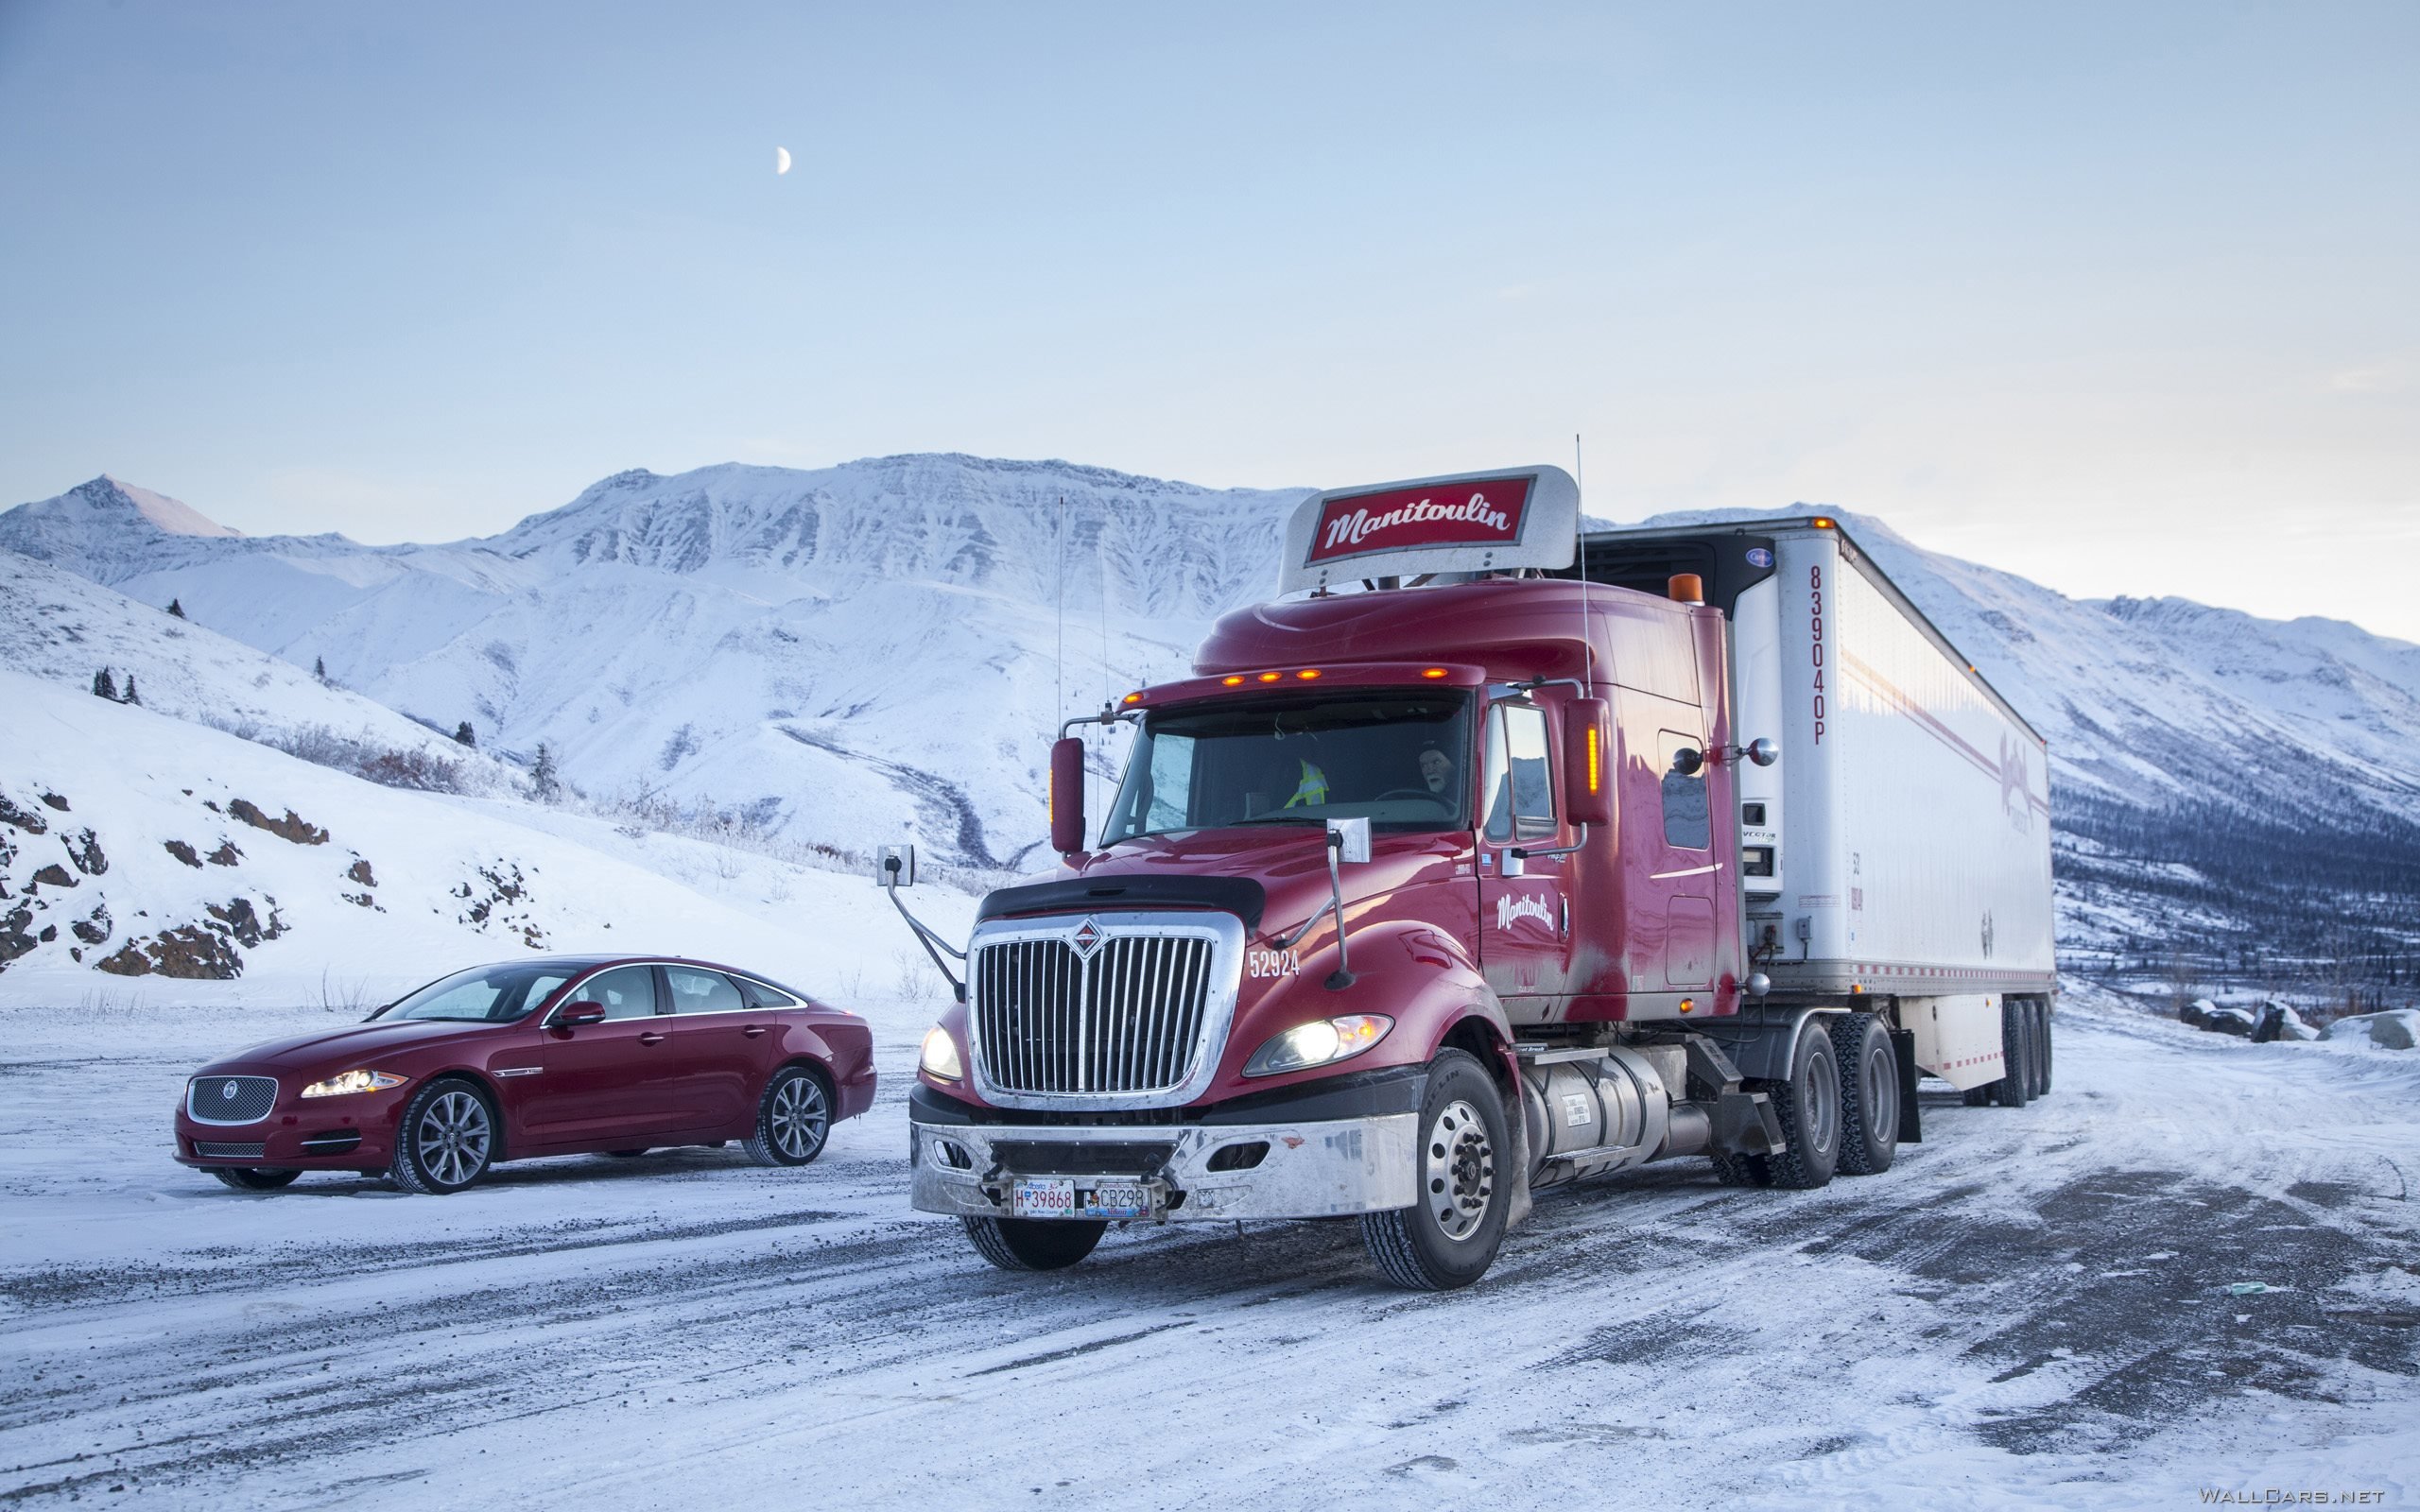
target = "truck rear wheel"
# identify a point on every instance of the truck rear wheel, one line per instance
(2016, 1057)
(1034, 1244)
(1809, 1105)
(1869, 1093)
(2042, 1021)
(1450, 1237)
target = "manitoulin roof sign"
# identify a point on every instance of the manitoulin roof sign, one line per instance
(1467, 522)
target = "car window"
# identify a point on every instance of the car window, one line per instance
(696, 991)
(627, 992)
(761, 996)
(485, 994)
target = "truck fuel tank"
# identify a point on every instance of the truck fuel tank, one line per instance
(1598, 1110)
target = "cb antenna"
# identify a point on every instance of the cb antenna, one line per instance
(1059, 550)
(1580, 560)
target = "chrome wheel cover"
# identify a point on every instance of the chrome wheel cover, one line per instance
(799, 1118)
(1457, 1174)
(452, 1138)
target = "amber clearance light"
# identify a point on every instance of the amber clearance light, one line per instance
(1822, 522)
(1595, 770)
(1270, 677)
(1134, 697)
(1307, 674)
(1432, 672)
(1232, 682)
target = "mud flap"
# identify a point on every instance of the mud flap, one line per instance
(1517, 1207)
(1744, 1124)
(1903, 1048)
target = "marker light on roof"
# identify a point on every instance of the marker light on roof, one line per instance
(1232, 682)
(1134, 697)
(1270, 677)
(1822, 522)
(1307, 674)
(1433, 672)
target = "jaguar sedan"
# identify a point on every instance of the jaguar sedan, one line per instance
(552, 1056)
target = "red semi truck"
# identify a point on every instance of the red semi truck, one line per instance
(1449, 876)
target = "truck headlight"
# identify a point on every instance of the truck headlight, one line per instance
(1320, 1042)
(354, 1081)
(939, 1059)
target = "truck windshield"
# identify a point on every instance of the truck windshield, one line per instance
(1401, 759)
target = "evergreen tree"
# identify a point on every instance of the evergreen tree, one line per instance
(542, 780)
(462, 735)
(177, 608)
(320, 668)
(130, 690)
(104, 686)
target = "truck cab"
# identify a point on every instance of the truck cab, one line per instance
(1422, 892)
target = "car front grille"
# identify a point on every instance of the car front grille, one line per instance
(1136, 1017)
(227, 1152)
(229, 1099)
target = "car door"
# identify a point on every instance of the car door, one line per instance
(1523, 920)
(610, 1081)
(725, 1045)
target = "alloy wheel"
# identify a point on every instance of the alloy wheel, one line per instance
(799, 1119)
(452, 1137)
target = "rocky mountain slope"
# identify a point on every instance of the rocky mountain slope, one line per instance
(882, 650)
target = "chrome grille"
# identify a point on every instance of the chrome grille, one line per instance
(1140, 1018)
(228, 1152)
(229, 1099)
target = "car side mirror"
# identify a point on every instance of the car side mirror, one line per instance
(1587, 768)
(1068, 796)
(576, 1014)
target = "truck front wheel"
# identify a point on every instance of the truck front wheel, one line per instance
(1034, 1244)
(1450, 1235)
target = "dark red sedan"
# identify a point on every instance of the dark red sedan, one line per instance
(554, 1056)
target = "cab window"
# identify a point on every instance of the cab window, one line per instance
(1687, 825)
(1518, 785)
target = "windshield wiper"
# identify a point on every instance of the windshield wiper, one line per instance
(1278, 818)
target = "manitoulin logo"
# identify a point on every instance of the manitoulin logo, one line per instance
(1513, 906)
(1358, 526)
(1471, 513)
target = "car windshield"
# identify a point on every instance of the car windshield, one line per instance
(1401, 759)
(483, 994)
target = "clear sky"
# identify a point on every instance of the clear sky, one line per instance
(2124, 297)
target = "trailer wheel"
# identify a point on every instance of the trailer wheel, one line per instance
(1869, 1093)
(2016, 1057)
(1450, 1236)
(1809, 1105)
(2042, 1022)
(1034, 1244)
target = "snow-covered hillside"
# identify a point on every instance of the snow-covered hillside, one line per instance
(144, 857)
(882, 650)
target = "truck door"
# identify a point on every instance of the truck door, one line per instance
(1524, 921)
(1686, 873)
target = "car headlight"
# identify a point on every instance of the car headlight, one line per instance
(939, 1059)
(1320, 1042)
(354, 1081)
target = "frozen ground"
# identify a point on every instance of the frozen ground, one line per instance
(2033, 1310)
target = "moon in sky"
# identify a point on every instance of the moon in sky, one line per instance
(780, 160)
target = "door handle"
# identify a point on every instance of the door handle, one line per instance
(650, 1038)
(753, 1030)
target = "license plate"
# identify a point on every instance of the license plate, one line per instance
(1057, 1197)
(1121, 1201)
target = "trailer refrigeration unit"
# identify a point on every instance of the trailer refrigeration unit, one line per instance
(1459, 871)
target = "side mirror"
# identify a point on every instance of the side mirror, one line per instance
(894, 866)
(1587, 763)
(576, 1014)
(1350, 838)
(1688, 761)
(1763, 751)
(1068, 796)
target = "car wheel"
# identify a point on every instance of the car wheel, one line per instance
(1450, 1236)
(446, 1140)
(1869, 1093)
(253, 1177)
(1808, 1107)
(792, 1121)
(1035, 1244)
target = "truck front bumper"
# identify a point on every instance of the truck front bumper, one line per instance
(1310, 1169)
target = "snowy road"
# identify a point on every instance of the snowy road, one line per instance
(2032, 1310)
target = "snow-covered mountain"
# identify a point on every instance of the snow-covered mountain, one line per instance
(883, 649)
